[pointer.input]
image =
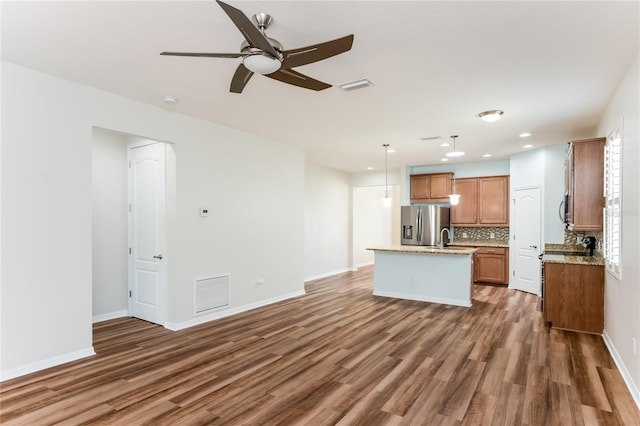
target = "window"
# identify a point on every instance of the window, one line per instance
(613, 201)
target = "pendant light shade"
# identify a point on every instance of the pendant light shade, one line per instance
(386, 201)
(454, 197)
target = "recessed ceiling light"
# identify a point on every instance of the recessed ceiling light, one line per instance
(491, 115)
(170, 100)
(444, 159)
(524, 135)
(487, 155)
(369, 168)
(528, 146)
(444, 144)
(454, 154)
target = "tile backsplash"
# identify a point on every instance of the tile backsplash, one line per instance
(483, 233)
(571, 237)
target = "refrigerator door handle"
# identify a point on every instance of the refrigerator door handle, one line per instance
(419, 225)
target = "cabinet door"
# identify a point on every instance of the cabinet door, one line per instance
(419, 187)
(574, 297)
(491, 266)
(494, 200)
(440, 186)
(588, 181)
(466, 212)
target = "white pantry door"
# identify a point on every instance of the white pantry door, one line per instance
(526, 240)
(147, 271)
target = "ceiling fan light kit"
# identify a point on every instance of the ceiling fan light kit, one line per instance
(263, 55)
(261, 63)
(491, 115)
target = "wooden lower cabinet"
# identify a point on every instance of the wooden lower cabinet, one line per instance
(574, 297)
(490, 265)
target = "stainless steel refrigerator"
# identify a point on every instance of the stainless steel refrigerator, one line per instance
(422, 225)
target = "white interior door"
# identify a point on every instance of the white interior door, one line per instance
(526, 240)
(147, 198)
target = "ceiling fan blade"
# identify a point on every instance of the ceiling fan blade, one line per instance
(297, 79)
(204, 55)
(250, 32)
(240, 79)
(317, 52)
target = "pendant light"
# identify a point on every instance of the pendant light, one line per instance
(386, 201)
(454, 197)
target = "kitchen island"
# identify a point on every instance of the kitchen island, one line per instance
(429, 274)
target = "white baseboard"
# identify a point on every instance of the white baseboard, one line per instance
(110, 316)
(633, 388)
(454, 302)
(231, 311)
(45, 363)
(362, 265)
(328, 274)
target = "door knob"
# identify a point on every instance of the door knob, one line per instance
(159, 257)
(533, 247)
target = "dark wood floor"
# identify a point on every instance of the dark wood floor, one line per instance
(336, 356)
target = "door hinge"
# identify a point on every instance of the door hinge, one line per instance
(129, 293)
(129, 208)
(129, 163)
(129, 250)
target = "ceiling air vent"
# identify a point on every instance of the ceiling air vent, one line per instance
(356, 84)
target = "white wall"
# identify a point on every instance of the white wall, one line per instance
(373, 224)
(544, 168)
(327, 222)
(109, 224)
(255, 227)
(554, 156)
(622, 297)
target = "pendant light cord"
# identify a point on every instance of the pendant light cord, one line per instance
(386, 171)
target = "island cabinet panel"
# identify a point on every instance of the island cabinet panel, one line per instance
(466, 212)
(494, 200)
(427, 188)
(491, 265)
(484, 201)
(574, 297)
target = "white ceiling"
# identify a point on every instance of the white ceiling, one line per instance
(551, 66)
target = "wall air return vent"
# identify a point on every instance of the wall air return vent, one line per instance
(211, 293)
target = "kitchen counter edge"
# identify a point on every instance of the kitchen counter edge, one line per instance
(425, 250)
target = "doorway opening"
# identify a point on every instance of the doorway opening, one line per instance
(111, 271)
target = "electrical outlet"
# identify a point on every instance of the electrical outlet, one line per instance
(204, 212)
(465, 235)
(579, 240)
(492, 235)
(259, 282)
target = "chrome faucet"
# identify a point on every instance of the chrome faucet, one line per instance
(442, 236)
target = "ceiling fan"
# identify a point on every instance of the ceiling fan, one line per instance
(264, 55)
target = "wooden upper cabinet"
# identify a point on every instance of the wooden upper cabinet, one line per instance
(585, 184)
(466, 212)
(430, 187)
(484, 201)
(494, 200)
(440, 186)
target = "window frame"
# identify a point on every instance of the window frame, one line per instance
(612, 220)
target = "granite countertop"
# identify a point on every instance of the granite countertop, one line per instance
(574, 254)
(573, 260)
(424, 250)
(480, 243)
